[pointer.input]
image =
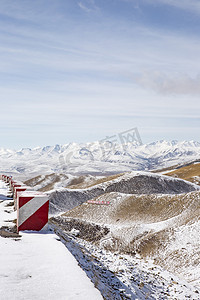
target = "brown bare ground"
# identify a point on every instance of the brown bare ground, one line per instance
(174, 167)
(187, 173)
(137, 208)
(54, 178)
(151, 243)
(34, 181)
(83, 185)
(77, 181)
(48, 181)
(9, 232)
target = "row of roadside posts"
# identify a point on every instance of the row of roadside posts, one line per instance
(32, 206)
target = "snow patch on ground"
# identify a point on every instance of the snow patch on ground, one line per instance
(38, 265)
(121, 276)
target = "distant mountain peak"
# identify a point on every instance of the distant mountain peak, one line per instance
(99, 158)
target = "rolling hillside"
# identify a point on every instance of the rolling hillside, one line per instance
(189, 172)
(164, 228)
(127, 183)
(154, 216)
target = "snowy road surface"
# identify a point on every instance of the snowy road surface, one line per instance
(39, 266)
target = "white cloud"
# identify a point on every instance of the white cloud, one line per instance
(69, 63)
(83, 7)
(164, 84)
(88, 5)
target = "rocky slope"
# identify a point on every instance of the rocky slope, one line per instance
(163, 228)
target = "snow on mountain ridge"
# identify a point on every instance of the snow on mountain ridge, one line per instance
(59, 148)
(96, 157)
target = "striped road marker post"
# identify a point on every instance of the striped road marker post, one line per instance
(19, 189)
(32, 211)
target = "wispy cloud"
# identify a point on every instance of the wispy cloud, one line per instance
(59, 65)
(88, 6)
(169, 85)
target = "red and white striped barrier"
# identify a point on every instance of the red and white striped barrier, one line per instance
(22, 188)
(14, 185)
(32, 206)
(8, 178)
(18, 189)
(4, 177)
(32, 211)
(11, 182)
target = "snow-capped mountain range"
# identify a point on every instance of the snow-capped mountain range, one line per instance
(97, 158)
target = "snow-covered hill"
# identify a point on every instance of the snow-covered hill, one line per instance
(129, 183)
(164, 228)
(97, 158)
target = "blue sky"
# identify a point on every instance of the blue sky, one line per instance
(78, 71)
